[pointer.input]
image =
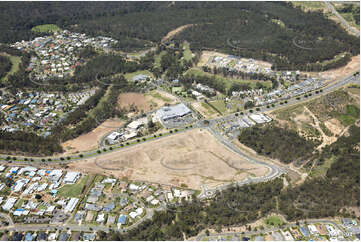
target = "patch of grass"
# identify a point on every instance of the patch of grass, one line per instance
(220, 106)
(158, 57)
(322, 169)
(274, 221)
(73, 190)
(352, 114)
(228, 81)
(46, 28)
(157, 95)
(208, 108)
(15, 61)
(187, 53)
(313, 6)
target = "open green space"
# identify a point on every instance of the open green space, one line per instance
(220, 106)
(310, 5)
(130, 75)
(274, 221)
(157, 95)
(73, 190)
(322, 169)
(187, 53)
(158, 57)
(352, 114)
(208, 108)
(46, 28)
(15, 61)
(228, 81)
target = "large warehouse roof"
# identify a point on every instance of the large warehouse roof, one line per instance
(178, 110)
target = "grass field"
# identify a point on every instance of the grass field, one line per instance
(274, 221)
(161, 97)
(228, 81)
(187, 54)
(130, 75)
(15, 61)
(321, 170)
(352, 114)
(308, 5)
(220, 106)
(46, 28)
(158, 57)
(73, 190)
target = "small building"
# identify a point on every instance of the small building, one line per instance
(9, 204)
(305, 232)
(122, 219)
(64, 236)
(71, 205)
(71, 177)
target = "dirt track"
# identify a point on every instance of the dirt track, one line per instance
(192, 158)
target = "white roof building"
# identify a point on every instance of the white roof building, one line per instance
(134, 187)
(71, 177)
(9, 203)
(27, 169)
(170, 196)
(2, 168)
(313, 229)
(170, 112)
(101, 218)
(20, 184)
(71, 205)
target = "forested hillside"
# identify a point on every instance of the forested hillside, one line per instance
(263, 30)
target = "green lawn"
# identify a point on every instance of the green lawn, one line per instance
(322, 169)
(130, 75)
(220, 106)
(177, 89)
(228, 81)
(45, 28)
(157, 95)
(15, 61)
(187, 53)
(274, 221)
(308, 5)
(209, 108)
(158, 57)
(73, 190)
(352, 114)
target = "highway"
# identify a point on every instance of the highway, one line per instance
(274, 170)
(93, 153)
(343, 21)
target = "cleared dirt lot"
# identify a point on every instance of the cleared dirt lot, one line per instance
(91, 140)
(339, 73)
(192, 158)
(145, 102)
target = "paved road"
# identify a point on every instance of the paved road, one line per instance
(93, 153)
(343, 21)
(288, 225)
(7, 217)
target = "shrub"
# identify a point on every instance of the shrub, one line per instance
(98, 151)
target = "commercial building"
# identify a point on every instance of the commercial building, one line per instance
(170, 112)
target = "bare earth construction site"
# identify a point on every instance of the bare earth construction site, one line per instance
(193, 158)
